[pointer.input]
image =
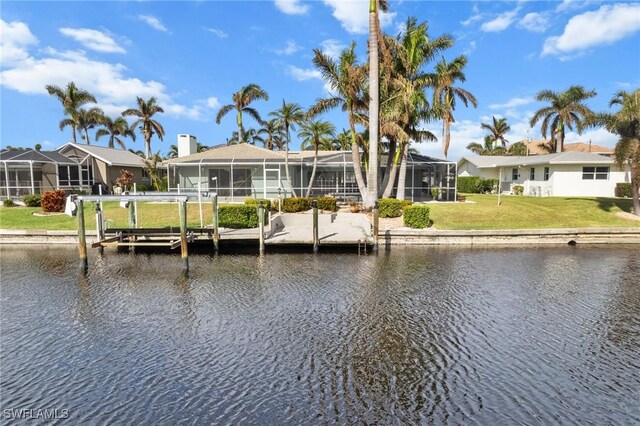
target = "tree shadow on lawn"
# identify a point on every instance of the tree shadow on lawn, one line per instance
(606, 204)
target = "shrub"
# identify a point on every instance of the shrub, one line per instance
(125, 179)
(237, 216)
(518, 189)
(469, 184)
(327, 203)
(295, 204)
(144, 187)
(487, 186)
(53, 201)
(32, 200)
(623, 190)
(390, 207)
(9, 203)
(255, 203)
(416, 216)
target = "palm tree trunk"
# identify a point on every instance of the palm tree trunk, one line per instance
(635, 195)
(239, 121)
(388, 187)
(313, 172)
(73, 127)
(446, 137)
(402, 176)
(147, 144)
(86, 136)
(390, 158)
(286, 165)
(374, 107)
(357, 162)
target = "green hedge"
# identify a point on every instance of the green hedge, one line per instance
(327, 203)
(416, 216)
(476, 185)
(32, 200)
(296, 204)
(237, 216)
(391, 207)
(255, 202)
(623, 190)
(8, 202)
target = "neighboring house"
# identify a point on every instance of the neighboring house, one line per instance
(536, 147)
(561, 174)
(72, 167)
(236, 172)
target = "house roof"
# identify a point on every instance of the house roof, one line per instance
(489, 161)
(25, 156)
(111, 156)
(535, 147)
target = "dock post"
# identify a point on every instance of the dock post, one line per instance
(316, 241)
(261, 225)
(375, 227)
(216, 231)
(132, 214)
(100, 224)
(82, 240)
(183, 236)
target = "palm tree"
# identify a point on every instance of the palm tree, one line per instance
(273, 134)
(251, 137)
(488, 148)
(148, 126)
(518, 148)
(83, 119)
(289, 115)
(114, 129)
(342, 142)
(374, 106)
(241, 101)
(445, 94)
(567, 109)
(314, 133)
(173, 151)
(137, 152)
(498, 129)
(71, 99)
(626, 124)
(152, 166)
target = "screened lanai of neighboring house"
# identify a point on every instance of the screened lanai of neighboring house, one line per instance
(32, 172)
(236, 172)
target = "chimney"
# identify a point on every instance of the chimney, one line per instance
(187, 145)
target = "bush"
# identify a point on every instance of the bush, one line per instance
(32, 200)
(53, 201)
(296, 204)
(518, 189)
(9, 203)
(390, 207)
(237, 216)
(487, 186)
(255, 203)
(623, 190)
(416, 216)
(476, 185)
(144, 187)
(327, 203)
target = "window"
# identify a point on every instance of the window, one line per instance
(514, 174)
(70, 175)
(242, 182)
(597, 173)
(546, 173)
(532, 174)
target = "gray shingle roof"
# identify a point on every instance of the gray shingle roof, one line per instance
(111, 156)
(489, 161)
(16, 156)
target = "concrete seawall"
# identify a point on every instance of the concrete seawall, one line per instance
(403, 236)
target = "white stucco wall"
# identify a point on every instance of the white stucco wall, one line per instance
(567, 181)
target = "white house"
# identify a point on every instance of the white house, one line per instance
(562, 174)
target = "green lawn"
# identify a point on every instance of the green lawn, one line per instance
(513, 213)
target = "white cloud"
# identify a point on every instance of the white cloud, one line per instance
(470, 48)
(15, 38)
(291, 48)
(475, 17)
(534, 22)
(332, 47)
(292, 7)
(93, 39)
(512, 103)
(301, 74)
(606, 25)
(354, 15)
(217, 32)
(568, 5)
(212, 102)
(153, 22)
(500, 23)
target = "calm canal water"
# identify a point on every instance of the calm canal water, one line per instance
(416, 335)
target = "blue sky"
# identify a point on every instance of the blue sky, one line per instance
(193, 55)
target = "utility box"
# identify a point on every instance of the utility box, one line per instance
(187, 145)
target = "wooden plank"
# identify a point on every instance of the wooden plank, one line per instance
(137, 244)
(106, 240)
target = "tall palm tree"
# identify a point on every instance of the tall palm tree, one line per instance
(567, 109)
(445, 94)
(518, 148)
(314, 133)
(251, 136)
(241, 101)
(115, 129)
(83, 119)
(626, 124)
(289, 115)
(273, 134)
(152, 166)
(488, 148)
(148, 126)
(173, 151)
(342, 142)
(497, 131)
(71, 98)
(374, 106)
(347, 81)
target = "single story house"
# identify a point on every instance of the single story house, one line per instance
(72, 167)
(561, 174)
(237, 172)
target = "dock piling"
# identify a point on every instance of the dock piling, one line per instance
(184, 249)
(82, 241)
(216, 231)
(316, 241)
(375, 226)
(261, 225)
